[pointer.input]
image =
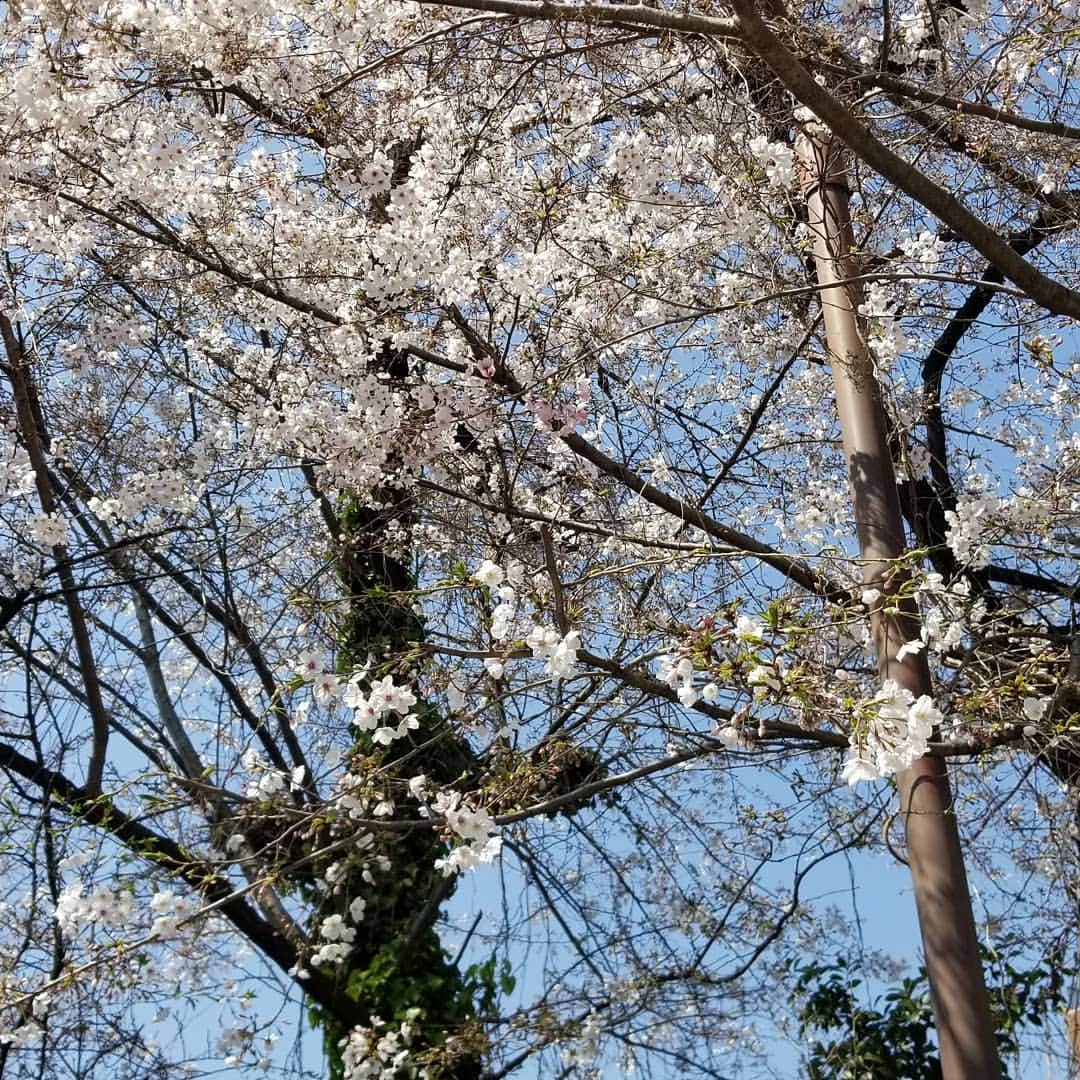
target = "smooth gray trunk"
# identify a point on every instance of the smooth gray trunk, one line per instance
(961, 1006)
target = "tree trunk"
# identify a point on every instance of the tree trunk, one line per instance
(961, 1006)
(1072, 1030)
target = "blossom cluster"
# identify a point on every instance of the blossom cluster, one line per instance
(678, 673)
(267, 782)
(967, 528)
(501, 583)
(559, 419)
(22, 1036)
(170, 911)
(338, 935)
(473, 826)
(886, 338)
(110, 907)
(776, 159)
(582, 1054)
(336, 931)
(378, 1051)
(47, 530)
(103, 906)
(925, 249)
(384, 709)
(899, 734)
(234, 1043)
(559, 651)
(677, 670)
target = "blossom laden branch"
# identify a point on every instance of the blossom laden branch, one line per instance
(628, 15)
(750, 29)
(165, 853)
(756, 35)
(31, 425)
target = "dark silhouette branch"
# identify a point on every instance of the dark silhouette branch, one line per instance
(171, 857)
(35, 438)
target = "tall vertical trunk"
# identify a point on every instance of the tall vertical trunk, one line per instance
(1072, 1030)
(961, 1006)
(397, 969)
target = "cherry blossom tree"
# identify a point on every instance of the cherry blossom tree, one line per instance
(441, 593)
